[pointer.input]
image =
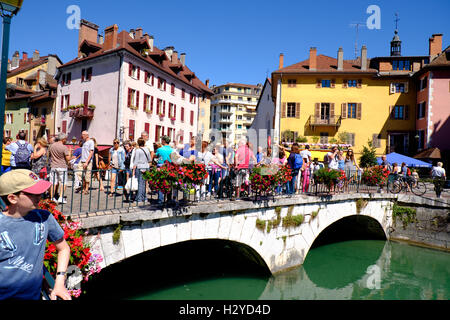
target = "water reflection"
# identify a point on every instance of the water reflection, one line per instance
(366, 269)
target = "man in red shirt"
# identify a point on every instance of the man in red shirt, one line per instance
(242, 161)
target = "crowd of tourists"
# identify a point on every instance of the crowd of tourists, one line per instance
(126, 162)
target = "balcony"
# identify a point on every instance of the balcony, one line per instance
(82, 113)
(225, 120)
(234, 101)
(40, 121)
(225, 110)
(319, 121)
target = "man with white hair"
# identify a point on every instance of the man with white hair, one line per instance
(59, 160)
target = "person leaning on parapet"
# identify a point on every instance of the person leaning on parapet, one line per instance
(24, 231)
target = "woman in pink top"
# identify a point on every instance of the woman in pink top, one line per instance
(306, 173)
(281, 160)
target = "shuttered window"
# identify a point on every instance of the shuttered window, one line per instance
(131, 130)
(290, 112)
(64, 126)
(351, 138)
(182, 114)
(351, 110)
(147, 128)
(376, 140)
(192, 118)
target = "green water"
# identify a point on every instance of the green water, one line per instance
(359, 269)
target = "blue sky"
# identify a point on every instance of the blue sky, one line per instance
(237, 41)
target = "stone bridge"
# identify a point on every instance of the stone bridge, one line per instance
(275, 234)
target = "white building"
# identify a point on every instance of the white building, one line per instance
(233, 108)
(124, 85)
(263, 123)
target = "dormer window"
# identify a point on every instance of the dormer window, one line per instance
(401, 65)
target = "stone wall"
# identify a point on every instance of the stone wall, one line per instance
(431, 228)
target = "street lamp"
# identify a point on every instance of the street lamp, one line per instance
(8, 8)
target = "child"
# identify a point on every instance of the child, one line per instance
(24, 230)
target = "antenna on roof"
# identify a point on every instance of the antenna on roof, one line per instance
(357, 25)
(397, 19)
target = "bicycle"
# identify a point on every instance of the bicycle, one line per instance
(399, 183)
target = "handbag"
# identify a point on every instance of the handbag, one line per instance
(132, 184)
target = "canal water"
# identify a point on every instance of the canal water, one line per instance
(356, 269)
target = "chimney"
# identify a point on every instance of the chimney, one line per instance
(363, 58)
(435, 45)
(207, 83)
(42, 79)
(138, 33)
(150, 42)
(15, 60)
(313, 59)
(280, 65)
(9, 65)
(36, 55)
(131, 33)
(24, 56)
(175, 57)
(169, 51)
(88, 31)
(100, 39)
(110, 37)
(183, 59)
(340, 59)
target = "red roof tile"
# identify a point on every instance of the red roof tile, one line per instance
(324, 64)
(126, 42)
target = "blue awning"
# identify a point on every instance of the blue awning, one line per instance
(410, 162)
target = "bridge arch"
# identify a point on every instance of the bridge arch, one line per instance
(278, 248)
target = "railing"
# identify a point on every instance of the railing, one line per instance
(103, 197)
(324, 121)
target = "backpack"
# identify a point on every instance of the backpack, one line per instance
(408, 172)
(22, 156)
(298, 161)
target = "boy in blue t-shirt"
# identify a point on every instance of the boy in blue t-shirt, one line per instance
(24, 230)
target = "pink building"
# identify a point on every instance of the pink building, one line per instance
(433, 98)
(122, 85)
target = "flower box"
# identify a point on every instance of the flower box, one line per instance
(88, 263)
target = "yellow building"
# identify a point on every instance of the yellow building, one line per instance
(233, 108)
(31, 92)
(331, 100)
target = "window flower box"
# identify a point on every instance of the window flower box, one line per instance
(133, 107)
(172, 119)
